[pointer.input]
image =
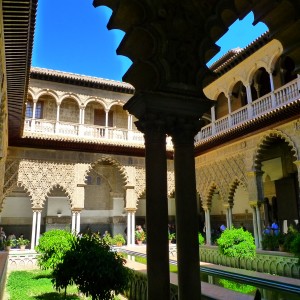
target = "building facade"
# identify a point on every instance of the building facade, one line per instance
(241, 156)
(252, 180)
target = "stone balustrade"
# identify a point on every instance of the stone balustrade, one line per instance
(272, 262)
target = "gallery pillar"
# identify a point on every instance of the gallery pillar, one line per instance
(156, 208)
(189, 286)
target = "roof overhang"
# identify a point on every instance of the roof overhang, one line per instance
(18, 27)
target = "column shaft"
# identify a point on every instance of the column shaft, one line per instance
(128, 228)
(33, 231)
(132, 228)
(73, 222)
(186, 218)
(77, 222)
(258, 220)
(38, 227)
(255, 226)
(157, 214)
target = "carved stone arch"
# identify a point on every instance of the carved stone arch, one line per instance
(232, 188)
(234, 81)
(34, 204)
(117, 103)
(141, 195)
(209, 194)
(97, 100)
(114, 163)
(255, 68)
(265, 140)
(30, 92)
(218, 92)
(48, 92)
(57, 185)
(275, 56)
(70, 96)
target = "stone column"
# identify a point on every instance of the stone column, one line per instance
(130, 207)
(229, 109)
(78, 222)
(271, 81)
(57, 118)
(249, 94)
(207, 226)
(36, 227)
(213, 119)
(129, 231)
(33, 230)
(186, 205)
(255, 232)
(33, 114)
(230, 215)
(106, 123)
(227, 217)
(256, 197)
(156, 208)
(259, 230)
(73, 225)
(160, 113)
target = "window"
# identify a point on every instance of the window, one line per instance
(29, 109)
(89, 180)
(98, 180)
(39, 110)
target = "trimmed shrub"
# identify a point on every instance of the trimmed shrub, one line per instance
(295, 246)
(235, 242)
(97, 271)
(201, 239)
(52, 246)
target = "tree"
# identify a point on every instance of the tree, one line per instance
(235, 242)
(52, 246)
(94, 268)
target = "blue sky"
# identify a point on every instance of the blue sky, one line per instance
(71, 36)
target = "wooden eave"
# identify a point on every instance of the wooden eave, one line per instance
(18, 27)
(81, 80)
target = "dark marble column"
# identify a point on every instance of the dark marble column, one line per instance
(156, 208)
(186, 211)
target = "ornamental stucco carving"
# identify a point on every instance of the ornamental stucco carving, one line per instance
(39, 177)
(221, 174)
(140, 181)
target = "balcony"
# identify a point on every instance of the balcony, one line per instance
(262, 106)
(86, 132)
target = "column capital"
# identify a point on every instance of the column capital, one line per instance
(297, 163)
(167, 105)
(254, 173)
(253, 204)
(130, 210)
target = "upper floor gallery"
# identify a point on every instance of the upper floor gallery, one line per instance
(251, 83)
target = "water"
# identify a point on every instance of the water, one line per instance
(243, 287)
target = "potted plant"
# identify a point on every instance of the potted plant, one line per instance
(171, 236)
(118, 240)
(140, 236)
(22, 243)
(8, 244)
